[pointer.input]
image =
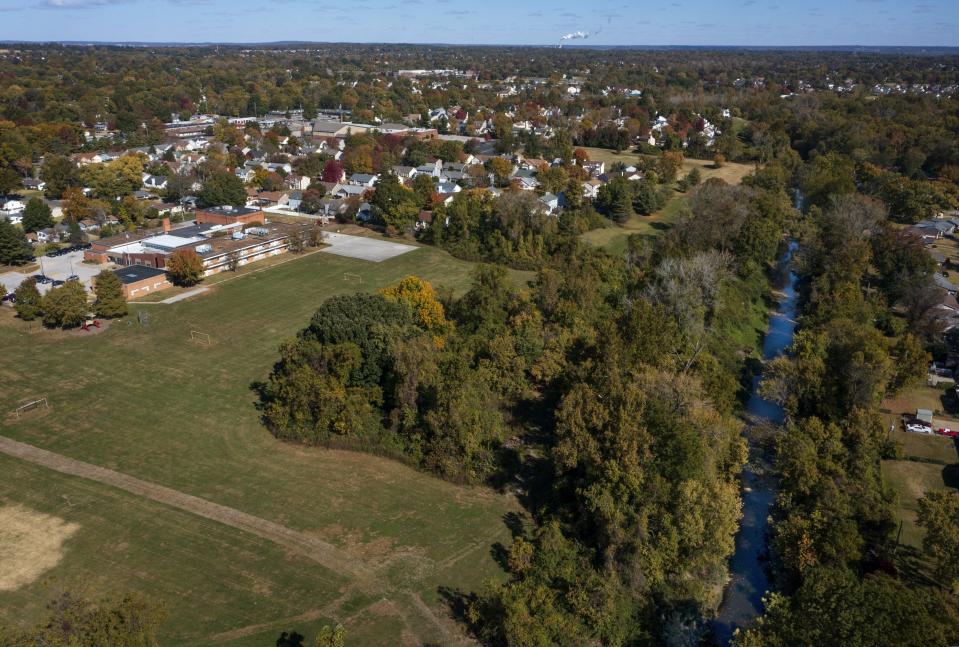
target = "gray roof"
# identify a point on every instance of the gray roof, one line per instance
(134, 273)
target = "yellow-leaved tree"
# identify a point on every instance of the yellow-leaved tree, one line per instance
(421, 298)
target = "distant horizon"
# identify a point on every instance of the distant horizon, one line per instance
(576, 46)
(609, 23)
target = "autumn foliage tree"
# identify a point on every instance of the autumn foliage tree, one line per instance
(185, 267)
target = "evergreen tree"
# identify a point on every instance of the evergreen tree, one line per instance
(37, 215)
(110, 300)
(14, 248)
(65, 306)
(222, 188)
(28, 300)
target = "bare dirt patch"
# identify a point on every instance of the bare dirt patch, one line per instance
(31, 543)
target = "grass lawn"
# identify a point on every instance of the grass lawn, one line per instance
(910, 480)
(731, 172)
(614, 237)
(145, 401)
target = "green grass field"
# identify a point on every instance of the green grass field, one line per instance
(614, 237)
(145, 401)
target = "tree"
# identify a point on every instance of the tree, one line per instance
(65, 306)
(233, 261)
(9, 181)
(185, 267)
(28, 300)
(222, 188)
(59, 174)
(939, 516)
(834, 607)
(76, 234)
(502, 169)
(669, 165)
(297, 243)
(332, 171)
(615, 199)
(331, 636)
(110, 301)
(129, 621)
(37, 215)
(420, 297)
(14, 248)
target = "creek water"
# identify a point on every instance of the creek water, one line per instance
(742, 598)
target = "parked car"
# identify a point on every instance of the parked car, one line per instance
(918, 429)
(11, 297)
(73, 277)
(57, 282)
(42, 278)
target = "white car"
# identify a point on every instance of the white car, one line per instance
(919, 429)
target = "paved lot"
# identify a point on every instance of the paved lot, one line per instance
(58, 267)
(366, 249)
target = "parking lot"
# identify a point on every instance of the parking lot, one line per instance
(58, 268)
(363, 248)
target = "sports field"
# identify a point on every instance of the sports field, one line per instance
(240, 536)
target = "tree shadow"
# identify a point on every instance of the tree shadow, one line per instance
(500, 555)
(458, 603)
(516, 522)
(950, 476)
(290, 639)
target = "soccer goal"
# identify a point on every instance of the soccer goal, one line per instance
(349, 277)
(39, 403)
(201, 338)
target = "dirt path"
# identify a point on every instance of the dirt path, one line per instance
(330, 557)
(323, 553)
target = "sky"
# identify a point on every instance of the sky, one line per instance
(604, 22)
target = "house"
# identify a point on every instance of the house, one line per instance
(433, 169)
(525, 183)
(364, 213)
(594, 168)
(269, 199)
(927, 234)
(12, 206)
(348, 191)
(13, 218)
(155, 182)
(551, 202)
(448, 187)
(404, 173)
(294, 199)
(34, 184)
(297, 182)
(944, 283)
(138, 280)
(364, 179)
(48, 235)
(423, 221)
(591, 189)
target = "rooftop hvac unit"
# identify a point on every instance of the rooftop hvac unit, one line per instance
(238, 235)
(203, 249)
(258, 231)
(227, 207)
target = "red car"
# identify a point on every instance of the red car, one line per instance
(952, 433)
